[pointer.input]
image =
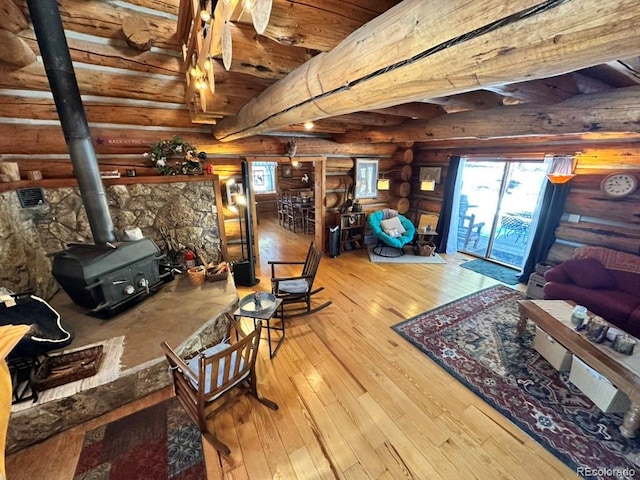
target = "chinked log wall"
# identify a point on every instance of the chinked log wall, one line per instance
(601, 220)
(341, 174)
(427, 202)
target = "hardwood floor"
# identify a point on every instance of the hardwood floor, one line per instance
(356, 400)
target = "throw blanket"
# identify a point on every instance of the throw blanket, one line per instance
(389, 213)
(612, 259)
(10, 335)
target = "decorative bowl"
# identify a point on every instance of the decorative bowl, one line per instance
(257, 303)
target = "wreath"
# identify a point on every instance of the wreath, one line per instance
(176, 157)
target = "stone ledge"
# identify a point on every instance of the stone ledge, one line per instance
(208, 303)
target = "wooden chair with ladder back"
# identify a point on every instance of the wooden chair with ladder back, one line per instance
(214, 378)
(297, 290)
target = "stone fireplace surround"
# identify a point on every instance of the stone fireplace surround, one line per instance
(187, 317)
(184, 206)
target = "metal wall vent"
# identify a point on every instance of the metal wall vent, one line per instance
(31, 197)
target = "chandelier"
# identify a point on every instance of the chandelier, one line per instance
(210, 37)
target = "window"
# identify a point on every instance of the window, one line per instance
(264, 177)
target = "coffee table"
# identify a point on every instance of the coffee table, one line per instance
(554, 317)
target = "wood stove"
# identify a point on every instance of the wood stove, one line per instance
(107, 279)
(108, 276)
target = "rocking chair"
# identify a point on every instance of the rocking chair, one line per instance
(214, 373)
(297, 290)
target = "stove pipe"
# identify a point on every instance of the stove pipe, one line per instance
(47, 24)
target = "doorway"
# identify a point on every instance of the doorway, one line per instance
(498, 208)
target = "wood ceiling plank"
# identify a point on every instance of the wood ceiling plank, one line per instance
(478, 100)
(628, 68)
(317, 25)
(114, 56)
(610, 75)
(17, 106)
(104, 19)
(13, 19)
(99, 82)
(546, 91)
(425, 111)
(370, 69)
(260, 56)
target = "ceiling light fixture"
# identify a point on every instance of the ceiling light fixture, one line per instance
(205, 16)
(309, 125)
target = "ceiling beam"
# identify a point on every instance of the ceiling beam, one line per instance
(318, 25)
(260, 56)
(628, 68)
(425, 111)
(424, 48)
(614, 111)
(478, 100)
(546, 91)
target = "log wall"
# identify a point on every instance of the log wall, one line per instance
(590, 217)
(593, 218)
(132, 100)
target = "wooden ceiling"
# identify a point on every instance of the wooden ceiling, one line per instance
(441, 74)
(422, 70)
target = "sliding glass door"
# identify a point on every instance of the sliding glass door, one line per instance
(498, 202)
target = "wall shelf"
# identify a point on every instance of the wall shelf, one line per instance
(72, 182)
(352, 231)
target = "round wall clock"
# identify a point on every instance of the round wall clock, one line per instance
(618, 185)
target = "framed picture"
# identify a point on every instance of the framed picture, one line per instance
(258, 177)
(366, 178)
(428, 222)
(233, 191)
(287, 171)
(431, 173)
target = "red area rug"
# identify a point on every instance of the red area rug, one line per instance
(156, 443)
(474, 339)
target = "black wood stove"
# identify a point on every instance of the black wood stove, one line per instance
(107, 279)
(107, 276)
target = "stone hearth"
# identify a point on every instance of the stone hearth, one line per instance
(184, 316)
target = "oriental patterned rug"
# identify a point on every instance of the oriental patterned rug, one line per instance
(474, 339)
(157, 443)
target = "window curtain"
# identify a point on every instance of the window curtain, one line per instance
(552, 208)
(447, 222)
(269, 177)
